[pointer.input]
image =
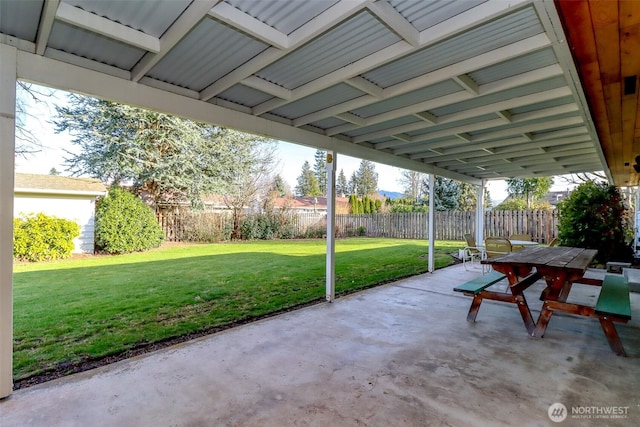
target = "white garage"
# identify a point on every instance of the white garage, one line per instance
(63, 197)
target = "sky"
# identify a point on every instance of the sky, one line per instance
(291, 156)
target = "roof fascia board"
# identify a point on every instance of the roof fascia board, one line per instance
(18, 190)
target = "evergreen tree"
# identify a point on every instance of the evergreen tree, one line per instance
(353, 184)
(320, 170)
(342, 188)
(447, 193)
(468, 198)
(307, 182)
(366, 179)
(168, 158)
(279, 186)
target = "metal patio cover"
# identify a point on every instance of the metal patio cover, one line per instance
(469, 90)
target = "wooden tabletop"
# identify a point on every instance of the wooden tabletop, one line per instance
(561, 257)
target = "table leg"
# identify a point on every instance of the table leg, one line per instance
(543, 320)
(521, 302)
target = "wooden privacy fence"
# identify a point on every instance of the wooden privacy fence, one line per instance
(541, 225)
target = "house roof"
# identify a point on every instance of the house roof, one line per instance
(55, 184)
(468, 90)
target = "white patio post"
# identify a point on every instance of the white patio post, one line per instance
(480, 214)
(8, 58)
(432, 196)
(331, 226)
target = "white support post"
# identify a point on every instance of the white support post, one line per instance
(8, 61)
(432, 209)
(331, 226)
(480, 214)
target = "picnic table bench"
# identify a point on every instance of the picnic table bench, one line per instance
(613, 305)
(477, 288)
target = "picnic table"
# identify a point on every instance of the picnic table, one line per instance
(561, 267)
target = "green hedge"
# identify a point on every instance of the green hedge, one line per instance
(38, 237)
(125, 224)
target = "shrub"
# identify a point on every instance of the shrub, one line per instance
(125, 224)
(39, 237)
(266, 226)
(594, 217)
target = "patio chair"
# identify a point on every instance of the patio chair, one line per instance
(524, 237)
(472, 252)
(496, 246)
(554, 242)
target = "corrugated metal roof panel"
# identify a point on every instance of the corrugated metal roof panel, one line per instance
(285, 17)
(434, 91)
(93, 46)
(209, 52)
(514, 67)
(496, 34)
(541, 120)
(20, 18)
(426, 14)
(244, 95)
(345, 44)
(323, 99)
(152, 17)
(552, 83)
(384, 125)
(543, 105)
(328, 123)
(453, 125)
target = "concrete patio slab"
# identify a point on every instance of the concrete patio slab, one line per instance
(399, 355)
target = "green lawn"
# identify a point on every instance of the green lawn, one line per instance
(82, 309)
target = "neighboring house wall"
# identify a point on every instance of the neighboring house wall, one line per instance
(81, 210)
(63, 197)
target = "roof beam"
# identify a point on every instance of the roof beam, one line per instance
(103, 26)
(463, 21)
(321, 23)
(402, 48)
(440, 75)
(476, 112)
(366, 86)
(46, 24)
(467, 83)
(43, 70)
(351, 118)
(250, 25)
(185, 23)
(476, 155)
(267, 87)
(398, 24)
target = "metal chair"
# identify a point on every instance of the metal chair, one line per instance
(524, 237)
(496, 246)
(472, 251)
